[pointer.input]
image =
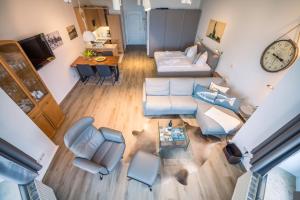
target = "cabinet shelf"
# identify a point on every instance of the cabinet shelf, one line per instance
(21, 82)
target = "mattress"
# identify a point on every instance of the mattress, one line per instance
(176, 61)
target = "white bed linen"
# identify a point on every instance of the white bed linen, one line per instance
(176, 61)
(158, 55)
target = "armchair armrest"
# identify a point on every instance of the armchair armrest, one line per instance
(88, 165)
(112, 135)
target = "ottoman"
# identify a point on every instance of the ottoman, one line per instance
(144, 168)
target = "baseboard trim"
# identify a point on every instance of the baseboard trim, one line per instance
(64, 99)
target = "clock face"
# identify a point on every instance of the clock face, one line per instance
(279, 55)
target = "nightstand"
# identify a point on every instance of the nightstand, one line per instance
(245, 111)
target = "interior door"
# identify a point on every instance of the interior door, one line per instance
(135, 27)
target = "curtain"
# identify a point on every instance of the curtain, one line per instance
(17, 166)
(277, 148)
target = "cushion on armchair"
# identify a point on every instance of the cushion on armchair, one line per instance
(96, 151)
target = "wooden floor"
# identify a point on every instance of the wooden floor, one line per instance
(120, 107)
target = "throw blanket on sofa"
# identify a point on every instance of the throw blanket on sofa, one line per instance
(227, 122)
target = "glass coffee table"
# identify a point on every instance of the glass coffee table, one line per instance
(172, 137)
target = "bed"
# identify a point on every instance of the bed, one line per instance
(175, 63)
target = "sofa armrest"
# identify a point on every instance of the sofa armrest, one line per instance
(88, 165)
(112, 135)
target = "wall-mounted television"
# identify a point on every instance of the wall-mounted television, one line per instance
(37, 50)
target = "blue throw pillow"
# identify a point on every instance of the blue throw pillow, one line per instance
(205, 94)
(231, 103)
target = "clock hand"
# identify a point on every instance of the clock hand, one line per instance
(276, 56)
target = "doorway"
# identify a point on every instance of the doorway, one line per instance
(134, 22)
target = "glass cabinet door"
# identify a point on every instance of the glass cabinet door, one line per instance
(13, 56)
(13, 90)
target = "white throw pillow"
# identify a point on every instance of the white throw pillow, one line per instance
(192, 51)
(215, 87)
(186, 50)
(202, 59)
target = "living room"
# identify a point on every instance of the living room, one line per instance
(191, 97)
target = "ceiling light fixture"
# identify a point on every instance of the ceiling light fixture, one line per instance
(68, 1)
(186, 2)
(88, 36)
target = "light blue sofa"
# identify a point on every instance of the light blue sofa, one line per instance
(173, 96)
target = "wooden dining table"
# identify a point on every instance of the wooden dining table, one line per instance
(110, 61)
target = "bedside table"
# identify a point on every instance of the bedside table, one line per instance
(245, 111)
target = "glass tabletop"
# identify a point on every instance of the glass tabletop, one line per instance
(172, 134)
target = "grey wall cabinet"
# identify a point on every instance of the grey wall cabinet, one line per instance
(172, 29)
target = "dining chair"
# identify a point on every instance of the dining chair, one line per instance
(107, 53)
(105, 71)
(85, 72)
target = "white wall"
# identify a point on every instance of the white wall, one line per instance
(251, 26)
(18, 129)
(21, 19)
(282, 105)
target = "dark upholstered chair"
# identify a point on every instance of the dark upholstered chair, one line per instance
(85, 72)
(95, 150)
(107, 53)
(104, 72)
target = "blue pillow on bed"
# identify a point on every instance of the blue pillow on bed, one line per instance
(225, 101)
(205, 94)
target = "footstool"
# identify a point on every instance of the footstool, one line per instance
(144, 168)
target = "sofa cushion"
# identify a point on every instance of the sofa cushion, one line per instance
(225, 101)
(158, 105)
(109, 154)
(205, 94)
(181, 86)
(183, 104)
(209, 126)
(157, 86)
(206, 81)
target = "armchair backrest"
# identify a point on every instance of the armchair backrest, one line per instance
(83, 139)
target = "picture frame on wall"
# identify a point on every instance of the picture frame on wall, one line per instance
(72, 32)
(54, 39)
(215, 30)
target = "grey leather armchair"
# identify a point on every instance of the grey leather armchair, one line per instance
(96, 150)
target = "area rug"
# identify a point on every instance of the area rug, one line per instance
(177, 163)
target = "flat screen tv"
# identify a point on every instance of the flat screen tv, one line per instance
(37, 50)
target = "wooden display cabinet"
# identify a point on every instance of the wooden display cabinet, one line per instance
(19, 79)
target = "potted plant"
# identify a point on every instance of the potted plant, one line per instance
(88, 54)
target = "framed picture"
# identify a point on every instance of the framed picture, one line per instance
(215, 30)
(72, 32)
(54, 40)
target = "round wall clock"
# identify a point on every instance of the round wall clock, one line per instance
(279, 55)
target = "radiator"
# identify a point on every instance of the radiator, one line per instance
(246, 187)
(39, 191)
